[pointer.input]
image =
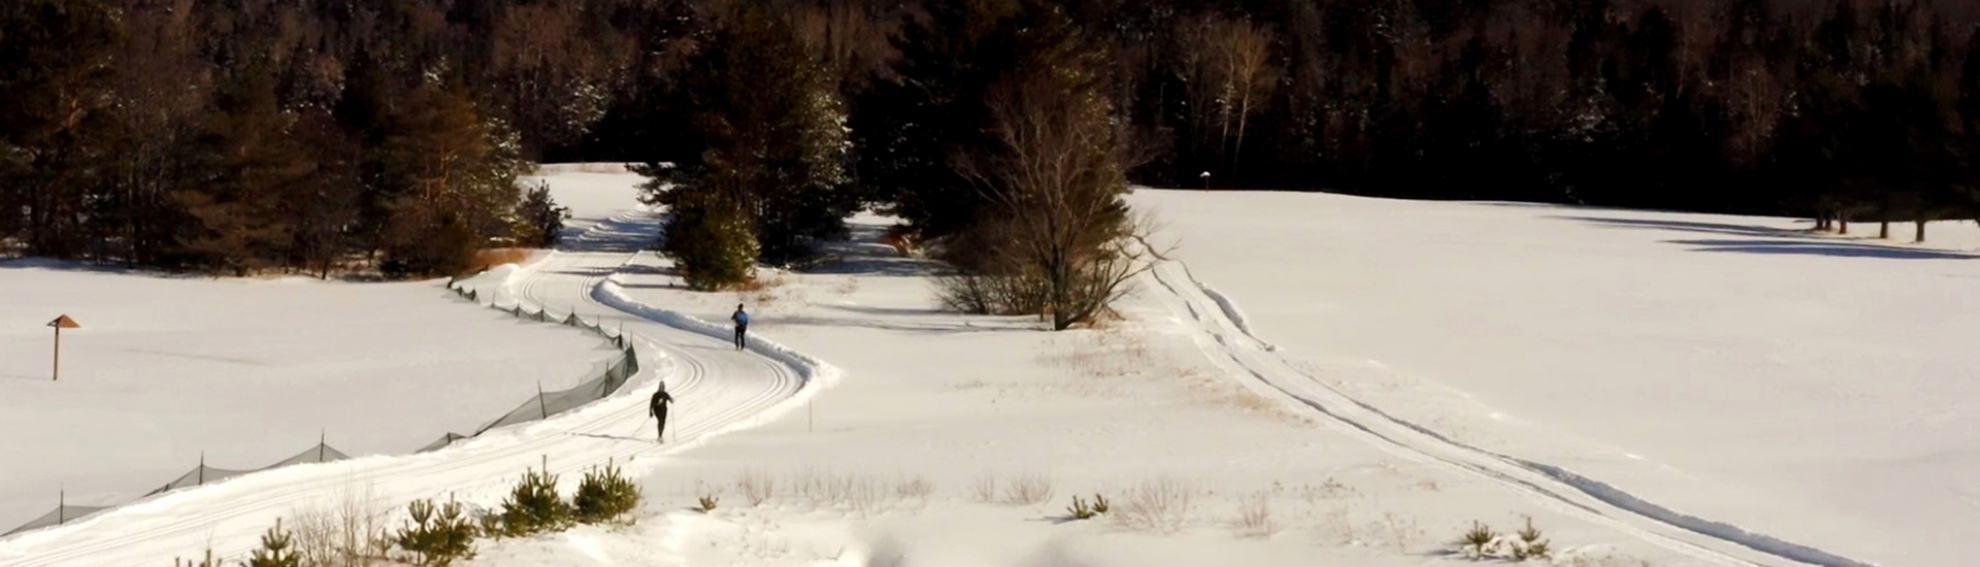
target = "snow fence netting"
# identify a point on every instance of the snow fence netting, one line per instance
(199, 475)
(602, 382)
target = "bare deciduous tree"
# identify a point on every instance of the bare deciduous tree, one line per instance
(1244, 51)
(1063, 237)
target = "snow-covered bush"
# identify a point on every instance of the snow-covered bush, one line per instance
(1483, 543)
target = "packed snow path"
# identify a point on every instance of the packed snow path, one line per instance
(715, 388)
(1222, 333)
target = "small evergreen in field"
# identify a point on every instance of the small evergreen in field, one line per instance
(605, 495)
(1080, 510)
(439, 535)
(1531, 544)
(533, 506)
(277, 549)
(542, 219)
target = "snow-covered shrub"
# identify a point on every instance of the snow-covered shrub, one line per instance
(1483, 543)
(534, 507)
(1474, 541)
(438, 535)
(1531, 544)
(605, 495)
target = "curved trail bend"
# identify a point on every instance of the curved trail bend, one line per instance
(716, 389)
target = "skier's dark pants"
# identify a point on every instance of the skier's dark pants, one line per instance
(661, 413)
(740, 331)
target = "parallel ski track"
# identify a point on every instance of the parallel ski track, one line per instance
(1221, 332)
(715, 388)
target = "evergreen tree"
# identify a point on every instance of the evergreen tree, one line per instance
(277, 549)
(771, 139)
(712, 242)
(542, 218)
(447, 181)
(251, 166)
(55, 62)
(909, 128)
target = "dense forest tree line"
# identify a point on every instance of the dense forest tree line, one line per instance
(317, 135)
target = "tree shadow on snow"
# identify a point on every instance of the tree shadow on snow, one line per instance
(929, 327)
(863, 253)
(1683, 226)
(1819, 248)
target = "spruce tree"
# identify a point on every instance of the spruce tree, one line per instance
(447, 181)
(250, 167)
(771, 139)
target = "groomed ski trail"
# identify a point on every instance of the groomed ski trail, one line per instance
(716, 388)
(1223, 334)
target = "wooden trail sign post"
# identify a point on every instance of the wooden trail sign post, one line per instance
(63, 322)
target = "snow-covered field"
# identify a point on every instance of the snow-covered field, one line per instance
(1310, 379)
(1817, 389)
(249, 372)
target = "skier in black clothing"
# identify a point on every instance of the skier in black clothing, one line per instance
(742, 326)
(658, 408)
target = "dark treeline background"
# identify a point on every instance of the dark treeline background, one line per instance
(330, 135)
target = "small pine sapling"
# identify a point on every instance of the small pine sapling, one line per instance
(708, 503)
(439, 535)
(491, 524)
(1531, 545)
(1479, 537)
(209, 561)
(276, 549)
(605, 496)
(1099, 504)
(533, 506)
(1080, 510)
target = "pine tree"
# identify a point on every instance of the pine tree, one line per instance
(252, 166)
(542, 218)
(772, 141)
(447, 182)
(55, 63)
(711, 242)
(276, 549)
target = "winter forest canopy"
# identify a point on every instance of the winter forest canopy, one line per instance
(328, 135)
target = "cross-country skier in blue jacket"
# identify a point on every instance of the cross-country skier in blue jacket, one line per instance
(742, 325)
